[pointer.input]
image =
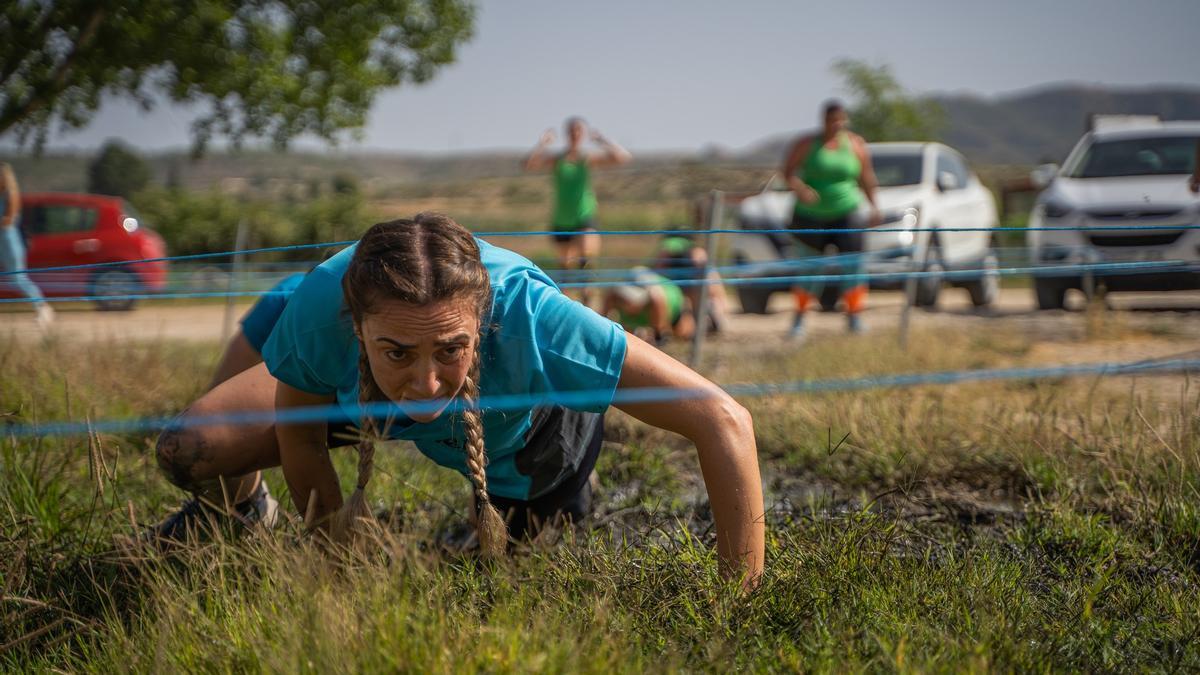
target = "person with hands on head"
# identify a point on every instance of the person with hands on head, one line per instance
(573, 221)
(830, 173)
(427, 322)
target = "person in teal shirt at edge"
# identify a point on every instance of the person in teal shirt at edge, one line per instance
(423, 318)
(12, 248)
(573, 221)
(830, 173)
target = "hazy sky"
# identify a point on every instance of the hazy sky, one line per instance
(681, 74)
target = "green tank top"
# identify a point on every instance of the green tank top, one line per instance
(574, 200)
(834, 175)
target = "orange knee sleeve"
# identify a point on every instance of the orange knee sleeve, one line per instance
(803, 300)
(855, 299)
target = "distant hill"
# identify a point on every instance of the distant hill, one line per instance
(1031, 126)
(1043, 124)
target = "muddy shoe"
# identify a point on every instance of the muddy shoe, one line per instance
(196, 517)
(798, 333)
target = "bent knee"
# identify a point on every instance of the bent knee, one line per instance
(178, 451)
(736, 417)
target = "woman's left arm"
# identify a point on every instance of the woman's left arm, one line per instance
(13, 203)
(614, 154)
(866, 178)
(723, 433)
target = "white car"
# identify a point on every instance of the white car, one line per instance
(1126, 172)
(923, 187)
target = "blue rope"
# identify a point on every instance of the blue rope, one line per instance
(612, 233)
(1043, 270)
(593, 398)
(840, 230)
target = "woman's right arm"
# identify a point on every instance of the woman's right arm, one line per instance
(539, 159)
(795, 156)
(304, 456)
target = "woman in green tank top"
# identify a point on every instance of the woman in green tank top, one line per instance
(573, 220)
(830, 173)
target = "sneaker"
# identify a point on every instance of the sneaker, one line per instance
(45, 315)
(197, 516)
(854, 324)
(798, 331)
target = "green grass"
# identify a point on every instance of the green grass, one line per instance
(1003, 526)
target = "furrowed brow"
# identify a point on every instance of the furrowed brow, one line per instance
(399, 345)
(457, 339)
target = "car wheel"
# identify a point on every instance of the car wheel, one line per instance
(929, 286)
(986, 289)
(754, 301)
(114, 281)
(1050, 293)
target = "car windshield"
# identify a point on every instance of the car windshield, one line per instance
(1165, 155)
(894, 170)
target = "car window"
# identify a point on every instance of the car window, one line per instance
(58, 219)
(894, 170)
(1137, 157)
(948, 163)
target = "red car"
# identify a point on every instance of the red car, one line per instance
(77, 229)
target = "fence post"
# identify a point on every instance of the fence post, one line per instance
(910, 292)
(716, 213)
(235, 273)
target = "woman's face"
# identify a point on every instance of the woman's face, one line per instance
(577, 132)
(420, 353)
(836, 122)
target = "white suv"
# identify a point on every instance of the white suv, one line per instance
(922, 186)
(1126, 172)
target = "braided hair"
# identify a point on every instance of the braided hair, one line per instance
(420, 261)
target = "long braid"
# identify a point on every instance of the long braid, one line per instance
(356, 509)
(490, 526)
(425, 260)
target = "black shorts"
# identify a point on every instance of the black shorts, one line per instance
(845, 242)
(565, 235)
(560, 453)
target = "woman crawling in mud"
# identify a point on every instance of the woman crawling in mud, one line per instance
(425, 320)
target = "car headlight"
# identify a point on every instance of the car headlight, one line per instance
(901, 217)
(1054, 210)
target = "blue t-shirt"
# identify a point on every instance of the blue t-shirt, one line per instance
(538, 341)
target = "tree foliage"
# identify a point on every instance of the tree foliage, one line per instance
(117, 171)
(253, 68)
(881, 110)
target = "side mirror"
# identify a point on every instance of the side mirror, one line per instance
(1043, 175)
(947, 181)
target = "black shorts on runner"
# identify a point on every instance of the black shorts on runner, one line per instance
(845, 242)
(564, 235)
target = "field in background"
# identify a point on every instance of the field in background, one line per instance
(289, 199)
(1045, 525)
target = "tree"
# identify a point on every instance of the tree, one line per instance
(117, 171)
(881, 110)
(254, 68)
